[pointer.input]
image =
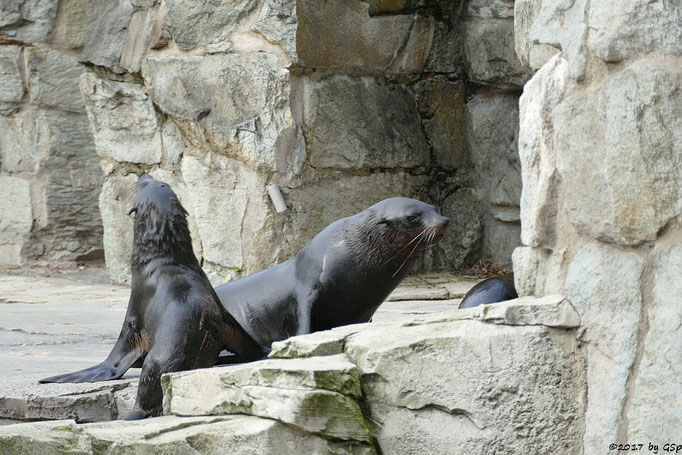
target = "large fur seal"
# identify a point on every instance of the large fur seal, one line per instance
(492, 290)
(174, 320)
(340, 277)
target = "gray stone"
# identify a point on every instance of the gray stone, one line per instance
(324, 343)
(500, 238)
(53, 79)
(340, 35)
(487, 9)
(240, 102)
(238, 435)
(604, 285)
(173, 144)
(493, 120)
(492, 60)
(462, 244)
(195, 24)
(443, 116)
(651, 415)
(11, 80)
(635, 28)
(620, 157)
(360, 123)
(472, 379)
(29, 21)
(17, 219)
(317, 395)
(539, 271)
(123, 119)
(115, 200)
(107, 40)
(24, 143)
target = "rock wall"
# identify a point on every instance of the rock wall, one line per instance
(49, 172)
(601, 159)
(341, 104)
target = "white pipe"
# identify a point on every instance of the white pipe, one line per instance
(276, 197)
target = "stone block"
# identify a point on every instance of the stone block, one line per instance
(11, 80)
(500, 238)
(278, 23)
(492, 60)
(604, 286)
(53, 79)
(442, 112)
(652, 414)
(115, 200)
(317, 395)
(340, 35)
(123, 119)
(239, 101)
(29, 21)
(463, 241)
(491, 9)
(194, 24)
(107, 39)
(138, 39)
(620, 157)
(17, 219)
(24, 142)
(75, 22)
(360, 123)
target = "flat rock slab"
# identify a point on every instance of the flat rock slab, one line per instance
(54, 325)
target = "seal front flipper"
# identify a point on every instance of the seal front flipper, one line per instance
(122, 356)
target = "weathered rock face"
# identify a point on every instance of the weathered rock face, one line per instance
(600, 154)
(370, 388)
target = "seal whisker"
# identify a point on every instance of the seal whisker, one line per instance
(418, 236)
(406, 259)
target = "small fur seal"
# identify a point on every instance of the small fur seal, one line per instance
(174, 320)
(491, 290)
(340, 277)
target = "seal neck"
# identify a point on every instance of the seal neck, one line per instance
(163, 238)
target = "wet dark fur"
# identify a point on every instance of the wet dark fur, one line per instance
(491, 290)
(174, 320)
(340, 277)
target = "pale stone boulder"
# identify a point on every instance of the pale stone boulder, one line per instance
(620, 157)
(53, 79)
(487, 9)
(486, 384)
(358, 123)
(652, 414)
(604, 285)
(316, 395)
(634, 28)
(17, 219)
(238, 435)
(123, 120)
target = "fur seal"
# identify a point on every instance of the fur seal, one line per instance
(491, 290)
(340, 277)
(174, 320)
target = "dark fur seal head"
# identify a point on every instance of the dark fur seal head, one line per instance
(396, 230)
(160, 228)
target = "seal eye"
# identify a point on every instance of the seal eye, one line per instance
(412, 218)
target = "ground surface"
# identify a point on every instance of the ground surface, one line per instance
(68, 321)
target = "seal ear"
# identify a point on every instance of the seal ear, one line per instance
(133, 210)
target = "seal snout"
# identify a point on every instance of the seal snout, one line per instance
(439, 225)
